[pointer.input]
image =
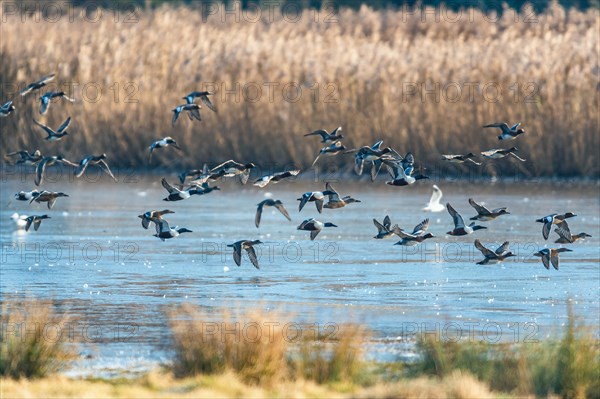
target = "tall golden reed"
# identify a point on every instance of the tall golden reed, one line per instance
(421, 81)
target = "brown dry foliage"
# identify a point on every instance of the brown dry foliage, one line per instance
(356, 71)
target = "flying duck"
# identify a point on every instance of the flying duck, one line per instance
(501, 153)
(269, 202)
(47, 196)
(26, 196)
(193, 111)
(434, 202)
(566, 237)
(369, 154)
(98, 160)
(6, 109)
(401, 174)
(313, 196)
(152, 216)
(460, 229)
(550, 255)
(275, 178)
(231, 168)
(203, 95)
(164, 232)
(335, 148)
(460, 158)
(485, 214)
(417, 236)
(59, 133)
(496, 256)
(556, 219)
(38, 84)
(334, 198)
(249, 247)
(327, 138)
(176, 194)
(40, 169)
(162, 143)
(201, 175)
(508, 133)
(25, 157)
(314, 226)
(49, 96)
(201, 189)
(36, 221)
(383, 229)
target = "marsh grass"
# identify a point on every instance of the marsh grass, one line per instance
(204, 343)
(368, 71)
(336, 358)
(32, 342)
(239, 342)
(569, 367)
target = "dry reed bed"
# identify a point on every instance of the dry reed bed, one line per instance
(372, 58)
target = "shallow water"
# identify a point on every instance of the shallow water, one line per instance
(95, 260)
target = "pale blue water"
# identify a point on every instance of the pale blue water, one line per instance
(95, 260)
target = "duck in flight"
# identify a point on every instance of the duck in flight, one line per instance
(434, 204)
(162, 143)
(314, 226)
(550, 255)
(7, 109)
(460, 229)
(24, 157)
(40, 170)
(49, 197)
(26, 195)
(497, 256)
(192, 110)
(153, 216)
(327, 138)
(270, 202)
(501, 153)
(418, 235)
(565, 236)
(176, 194)
(48, 97)
(335, 201)
(38, 84)
(165, 232)
(457, 158)
(35, 220)
(275, 178)
(369, 154)
(559, 220)
(383, 229)
(484, 214)
(59, 133)
(318, 197)
(507, 133)
(249, 247)
(335, 148)
(203, 95)
(401, 172)
(98, 160)
(230, 169)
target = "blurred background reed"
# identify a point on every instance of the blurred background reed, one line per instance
(420, 81)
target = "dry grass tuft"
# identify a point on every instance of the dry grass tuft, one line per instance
(368, 71)
(32, 340)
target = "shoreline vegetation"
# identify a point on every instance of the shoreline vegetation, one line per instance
(205, 364)
(421, 84)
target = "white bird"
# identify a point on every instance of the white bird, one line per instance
(20, 220)
(434, 202)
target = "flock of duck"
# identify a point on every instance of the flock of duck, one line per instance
(197, 182)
